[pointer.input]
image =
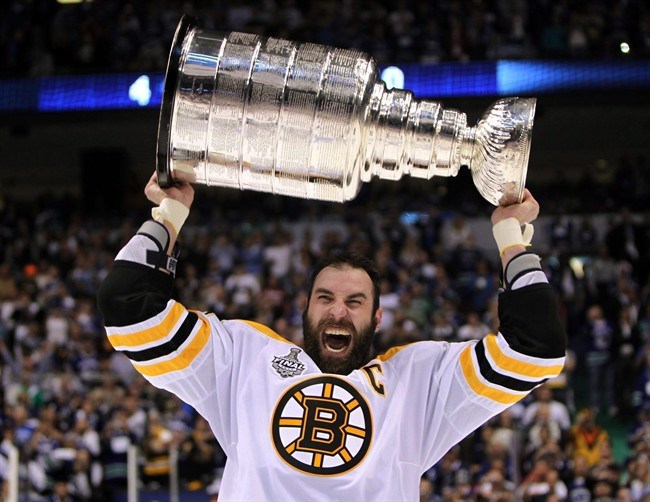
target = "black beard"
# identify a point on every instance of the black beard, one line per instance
(360, 354)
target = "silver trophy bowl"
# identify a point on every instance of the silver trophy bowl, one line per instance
(316, 122)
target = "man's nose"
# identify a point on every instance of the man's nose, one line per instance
(339, 310)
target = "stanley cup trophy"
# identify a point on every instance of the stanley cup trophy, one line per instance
(315, 122)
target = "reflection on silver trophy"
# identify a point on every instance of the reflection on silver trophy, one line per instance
(312, 121)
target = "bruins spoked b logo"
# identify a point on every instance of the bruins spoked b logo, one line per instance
(322, 426)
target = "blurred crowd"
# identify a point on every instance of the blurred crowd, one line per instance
(72, 406)
(43, 37)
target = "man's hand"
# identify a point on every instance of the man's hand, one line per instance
(525, 211)
(175, 208)
(181, 191)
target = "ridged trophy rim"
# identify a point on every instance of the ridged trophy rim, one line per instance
(502, 150)
(163, 169)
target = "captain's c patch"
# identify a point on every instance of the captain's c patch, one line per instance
(322, 426)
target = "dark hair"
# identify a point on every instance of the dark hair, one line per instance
(340, 259)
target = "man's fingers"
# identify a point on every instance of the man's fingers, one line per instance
(526, 211)
(153, 191)
(181, 191)
(532, 206)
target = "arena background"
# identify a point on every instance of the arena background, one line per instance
(85, 170)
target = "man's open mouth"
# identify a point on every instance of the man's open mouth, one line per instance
(336, 340)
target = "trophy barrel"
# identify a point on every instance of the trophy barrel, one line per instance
(263, 114)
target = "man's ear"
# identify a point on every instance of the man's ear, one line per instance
(378, 316)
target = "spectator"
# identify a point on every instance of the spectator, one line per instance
(86, 439)
(454, 233)
(116, 439)
(277, 255)
(624, 240)
(562, 385)
(201, 456)
(416, 305)
(242, 286)
(641, 392)
(600, 339)
(442, 328)
(543, 483)
(450, 473)
(473, 328)
(639, 482)
(586, 438)
(155, 448)
(627, 341)
(493, 485)
(579, 481)
(556, 412)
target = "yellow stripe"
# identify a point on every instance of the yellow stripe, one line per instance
(290, 422)
(345, 454)
(266, 330)
(391, 352)
(352, 404)
(318, 460)
(355, 431)
(515, 366)
(327, 390)
(182, 360)
(150, 334)
(479, 387)
(291, 448)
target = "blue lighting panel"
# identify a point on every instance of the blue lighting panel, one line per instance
(17, 95)
(451, 79)
(96, 92)
(434, 81)
(539, 77)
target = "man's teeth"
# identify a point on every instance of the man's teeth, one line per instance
(338, 333)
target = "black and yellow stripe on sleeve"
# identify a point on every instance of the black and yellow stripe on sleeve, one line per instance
(493, 370)
(167, 342)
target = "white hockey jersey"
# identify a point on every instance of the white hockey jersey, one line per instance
(291, 432)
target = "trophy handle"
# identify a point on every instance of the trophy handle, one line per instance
(163, 154)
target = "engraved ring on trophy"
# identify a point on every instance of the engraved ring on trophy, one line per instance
(316, 122)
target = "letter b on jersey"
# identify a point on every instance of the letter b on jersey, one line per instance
(322, 426)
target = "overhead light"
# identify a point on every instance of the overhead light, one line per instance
(140, 91)
(64, 2)
(393, 76)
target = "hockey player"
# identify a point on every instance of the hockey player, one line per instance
(324, 422)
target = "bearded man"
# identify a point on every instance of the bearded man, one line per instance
(327, 420)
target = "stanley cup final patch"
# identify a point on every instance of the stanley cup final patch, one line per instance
(289, 365)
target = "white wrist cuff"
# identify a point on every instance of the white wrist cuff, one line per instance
(171, 211)
(508, 233)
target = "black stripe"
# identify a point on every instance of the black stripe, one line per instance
(521, 274)
(168, 347)
(497, 378)
(530, 323)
